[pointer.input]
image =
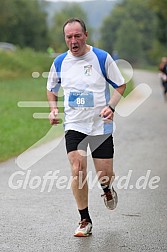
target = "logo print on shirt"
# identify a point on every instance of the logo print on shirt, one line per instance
(88, 70)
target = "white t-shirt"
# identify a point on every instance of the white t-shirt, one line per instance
(86, 91)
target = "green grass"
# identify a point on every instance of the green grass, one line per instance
(22, 63)
(129, 88)
(18, 129)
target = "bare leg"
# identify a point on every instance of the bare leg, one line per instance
(79, 172)
(104, 170)
(106, 177)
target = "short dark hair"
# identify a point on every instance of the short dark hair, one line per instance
(72, 20)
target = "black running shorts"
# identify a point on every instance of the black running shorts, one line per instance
(101, 146)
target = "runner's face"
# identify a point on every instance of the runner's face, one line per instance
(75, 38)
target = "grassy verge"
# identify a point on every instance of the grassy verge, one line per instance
(23, 63)
(19, 130)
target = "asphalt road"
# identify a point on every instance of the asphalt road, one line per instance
(38, 213)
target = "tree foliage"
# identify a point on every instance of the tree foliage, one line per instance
(124, 35)
(160, 9)
(23, 23)
(132, 30)
(56, 32)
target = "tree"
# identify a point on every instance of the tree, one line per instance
(23, 23)
(109, 28)
(56, 32)
(160, 9)
(128, 42)
(7, 18)
(135, 20)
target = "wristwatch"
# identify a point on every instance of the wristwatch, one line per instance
(113, 110)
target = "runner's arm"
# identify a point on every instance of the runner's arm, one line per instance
(108, 111)
(116, 96)
(52, 99)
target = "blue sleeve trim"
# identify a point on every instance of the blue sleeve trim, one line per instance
(58, 62)
(102, 56)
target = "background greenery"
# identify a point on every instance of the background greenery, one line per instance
(136, 29)
(18, 129)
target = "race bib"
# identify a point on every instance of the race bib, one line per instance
(81, 99)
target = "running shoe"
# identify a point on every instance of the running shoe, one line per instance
(110, 199)
(84, 229)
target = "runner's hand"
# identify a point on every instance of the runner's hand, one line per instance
(107, 114)
(53, 117)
